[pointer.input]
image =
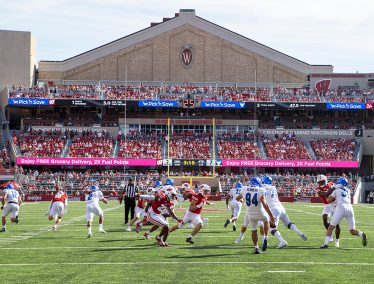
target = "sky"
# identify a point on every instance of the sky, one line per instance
(336, 32)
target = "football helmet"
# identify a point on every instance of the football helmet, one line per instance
(238, 185)
(204, 188)
(9, 186)
(185, 186)
(158, 183)
(321, 178)
(342, 181)
(255, 181)
(171, 194)
(94, 188)
(169, 181)
(267, 180)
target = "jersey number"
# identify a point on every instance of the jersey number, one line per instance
(89, 196)
(344, 193)
(238, 190)
(249, 200)
(13, 194)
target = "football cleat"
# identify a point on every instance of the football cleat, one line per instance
(146, 235)
(128, 229)
(17, 220)
(337, 243)
(3, 230)
(304, 237)
(234, 227)
(54, 228)
(324, 246)
(282, 244)
(102, 231)
(237, 241)
(137, 229)
(265, 244)
(257, 251)
(89, 236)
(364, 240)
(226, 223)
(189, 240)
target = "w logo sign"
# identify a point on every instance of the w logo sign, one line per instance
(186, 55)
(323, 86)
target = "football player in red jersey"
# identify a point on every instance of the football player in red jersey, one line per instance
(154, 209)
(58, 207)
(193, 214)
(323, 190)
(139, 213)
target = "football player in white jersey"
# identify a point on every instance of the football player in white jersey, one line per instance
(256, 210)
(236, 206)
(279, 212)
(92, 207)
(13, 201)
(344, 209)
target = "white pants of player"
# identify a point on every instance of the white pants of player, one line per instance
(254, 219)
(280, 213)
(57, 209)
(236, 208)
(328, 209)
(139, 212)
(11, 208)
(93, 209)
(192, 218)
(344, 212)
(157, 219)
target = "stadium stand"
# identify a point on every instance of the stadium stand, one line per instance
(285, 147)
(190, 145)
(334, 149)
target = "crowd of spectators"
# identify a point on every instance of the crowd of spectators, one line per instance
(40, 146)
(110, 181)
(334, 149)
(92, 144)
(190, 145)
(140, 146)
(285, 148)
(189, 91)
(238, 146)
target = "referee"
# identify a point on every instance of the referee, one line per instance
(128, 193)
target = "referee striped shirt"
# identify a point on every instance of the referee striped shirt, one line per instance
(130, 190)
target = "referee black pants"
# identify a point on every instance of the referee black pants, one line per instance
(129, 207)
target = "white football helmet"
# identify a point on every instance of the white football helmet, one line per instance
(185, 186)
(203, 188)
(171, 194)
(321, 178)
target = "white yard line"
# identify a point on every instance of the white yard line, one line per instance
(33, 234)
(151, 246)
(286, 271)
(191, 262)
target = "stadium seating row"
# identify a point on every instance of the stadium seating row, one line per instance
(121, 92)
(183, 145)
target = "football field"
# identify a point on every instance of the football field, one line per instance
(32, 253)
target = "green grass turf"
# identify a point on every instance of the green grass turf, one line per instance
(67, 256)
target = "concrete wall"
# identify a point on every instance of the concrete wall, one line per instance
(17, 58)
(215, 59)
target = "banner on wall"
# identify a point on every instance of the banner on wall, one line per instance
(201, 163)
